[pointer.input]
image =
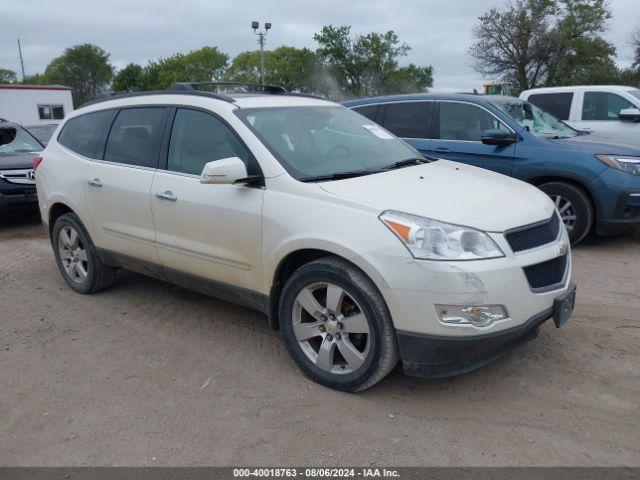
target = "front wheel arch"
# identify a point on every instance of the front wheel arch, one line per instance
(289, 264)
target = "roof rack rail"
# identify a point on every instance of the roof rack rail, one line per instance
(242, 87)
(104, 97)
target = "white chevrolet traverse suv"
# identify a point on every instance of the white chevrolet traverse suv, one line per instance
(357, 248)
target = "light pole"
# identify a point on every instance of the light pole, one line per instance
(261, 39)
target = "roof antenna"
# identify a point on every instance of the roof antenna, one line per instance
(475, 91)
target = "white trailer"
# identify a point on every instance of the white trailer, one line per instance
(35, 104)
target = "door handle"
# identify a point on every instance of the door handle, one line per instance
(441, 149)
(95, 182)
(168, 195)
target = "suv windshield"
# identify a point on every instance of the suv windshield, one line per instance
(534, 119)
(23, 142)
(325, 143)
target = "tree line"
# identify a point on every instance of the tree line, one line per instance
(343, 66)
(538, 43)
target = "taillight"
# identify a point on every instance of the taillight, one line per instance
(36, 162)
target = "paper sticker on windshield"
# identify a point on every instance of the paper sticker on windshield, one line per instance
(378, 132)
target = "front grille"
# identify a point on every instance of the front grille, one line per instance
(532, 236)
(546, 274)
(23, 176)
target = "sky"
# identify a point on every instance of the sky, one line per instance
(438, 31)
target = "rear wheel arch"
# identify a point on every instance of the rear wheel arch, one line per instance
(56, 211)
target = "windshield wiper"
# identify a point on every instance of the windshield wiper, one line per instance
(405, 163)
(338, 175)
(359, 173)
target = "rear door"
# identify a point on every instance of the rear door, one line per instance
(409, 120)
(459, 127)
(119, 183)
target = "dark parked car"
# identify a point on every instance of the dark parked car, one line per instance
(42, 132)
(596, 186)
(18, 148)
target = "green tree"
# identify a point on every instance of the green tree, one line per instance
(35, 79)
(513, 43)
(367, 64)
(409, 79)
(85, 68)
(7, 76)
(530, 43)
(581, 55)
(205, 64)
(131, 78)
(293, 68)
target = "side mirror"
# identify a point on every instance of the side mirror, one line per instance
(226, 171)
(498, 137)
(7, 135)
(630, 115)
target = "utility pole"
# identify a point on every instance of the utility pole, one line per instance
(21, 61)
(261, 41)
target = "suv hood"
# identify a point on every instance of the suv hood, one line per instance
(9, 161)
(450, 192)
(598, 144)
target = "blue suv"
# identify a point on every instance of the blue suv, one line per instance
(595, 184)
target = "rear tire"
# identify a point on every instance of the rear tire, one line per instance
(574, 206)
(336, 325)
(77, 258)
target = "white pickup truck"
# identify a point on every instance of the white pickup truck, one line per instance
(605, 110)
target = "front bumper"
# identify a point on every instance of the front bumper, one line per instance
(412, 289)
(617, 197)
(435, 356)
(626, 216)
(17, 196)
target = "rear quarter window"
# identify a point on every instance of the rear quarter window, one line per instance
(557, 104)
(408, 119)
(82, 134)
(135, 136)
(369, 111)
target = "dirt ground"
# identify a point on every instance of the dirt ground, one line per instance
(146, 373)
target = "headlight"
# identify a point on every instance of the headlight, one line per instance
(432, 240)
(628, 164)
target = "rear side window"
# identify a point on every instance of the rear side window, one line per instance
(557, 104)
(82, 134)
(603, 106)
(408, 119)
(198, 138)
(368, 111)
(135, 136)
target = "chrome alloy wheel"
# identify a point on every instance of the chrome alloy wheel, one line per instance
(331, 328)
(567, 211)
(73, 254)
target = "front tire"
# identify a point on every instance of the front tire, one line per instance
(574, 206)
(336, 325)
(77, 258)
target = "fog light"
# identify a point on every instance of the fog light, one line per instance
(476, 315)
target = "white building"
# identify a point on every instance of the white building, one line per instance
(35, 104)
